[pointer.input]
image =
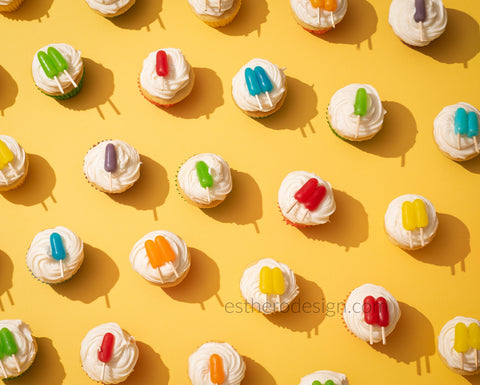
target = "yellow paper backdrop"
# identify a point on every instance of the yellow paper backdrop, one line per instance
(432, 285)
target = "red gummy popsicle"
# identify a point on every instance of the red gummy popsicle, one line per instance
(106, 349)
(162, 63)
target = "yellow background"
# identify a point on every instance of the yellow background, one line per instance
(432, 285)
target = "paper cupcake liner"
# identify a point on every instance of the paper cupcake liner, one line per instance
(70, 94)
(316, 32)
(289, 222)
(151, 101)
(177, 185)
(343, 317)
(13, 6)
(333, 130)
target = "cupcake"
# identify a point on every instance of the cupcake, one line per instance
(55, 255)
(417, 23)
(108, 354)
(268, 286)
(356, 112)
(216, 363)
(215, 13)
(371, 313)
(318, 19)
(58, 70)
(110, 8)
(161, 257)
(13, 163)
(204, 180)
(458, 345)
(305, 199)
(112, 166)
(166, 78)
(10, 5)
(455, 130)
(19, 348)
(325, 377)
(259, 88)
(411, 222)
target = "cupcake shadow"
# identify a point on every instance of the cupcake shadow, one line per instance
(452, 47)
(30, 10)
(201, 283)
(38, 186)
(472, 165)
(306, 312)
(47, 369)
(6, 279)
(150, 369)
(95, 278)
(397, 135)
(450, 246)
(298, 110)
(256, 374)
(205, 98)
(415, 328)
(250, 17)
(359, 24)
(348, 226)
(243, 205)
(142, 14)
(97, 89)
(151, 189)
(9, 90)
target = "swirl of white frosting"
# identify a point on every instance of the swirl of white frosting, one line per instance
(6, 2)
(210, 7)
(299, 214)
(41, 262)
(75, 68)
(444, 132)
(305, 12)
(141, 263)
(446, 341)
(124, 354)
(16, 169)
(199, 364)
(401, 18)
(324, 375)
(342, 115)
(248, 102)
(128, 166)
(27, 348)
(267, 304)
(354, 316)
(394, 223)
(218, 168)
(165, 87)
(107, 7)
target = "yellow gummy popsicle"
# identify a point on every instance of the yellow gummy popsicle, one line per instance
(461, 344)
(6, 156)
(278, 282)
(266, 280)
(474, 335)
(421, 211)
(409, 219)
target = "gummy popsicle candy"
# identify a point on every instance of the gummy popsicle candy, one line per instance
(278, 285)
(6, 159)
(154, 256)
(311, 194)
(9, 346)
(316, 382)
(105, 351)
(329, 382)
(474, 340)
(409, 219)
(461, 344)
(264, 82)
(168, 255)
(370, 314)
(60, 63)
(266, 280)
(49, 68)
(360, 106)
(204, 177)
(110, 164)
(331, 6)
(472, 123)
(217, 374)
(161, 65)
(460, 124)
(420, 16)
(252, 85)
(58, 250)
(383, 316)
(421, 217)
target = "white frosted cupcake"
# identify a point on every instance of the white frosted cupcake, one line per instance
(58, 84)
(318, 20)
(10, 5)
(226, 364)
(268, 303)
(315, 210)
(110, 8)
(112, 166)
(259, 106)
(45, 259)
(409, 239)
(123, 358)
(323, 376)
(167, 272)
(346, 123)
(450, 357)
(355, 310)
(21, 340)
(13, 173)
(169, 84)
(215, 13)
(461, 147)
(414, 29)
(204, 180)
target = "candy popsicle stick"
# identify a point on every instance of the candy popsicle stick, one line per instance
(5, 375)
(174, 270)
(58, 250)
(305, 215)
(62, 273)
(219, 5)
(278, 285)
(264, 82)
(422, 217)
(460, 125)
(49, 68)
(360, 107)
(3, 177)
(168, 255)
(208, 195)
(461, 343)
(369, 314)
(331, 6)
(292, 206)
(474, 340)
(420, 16)
(10, 166)
(105, 351)
(472, 123)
